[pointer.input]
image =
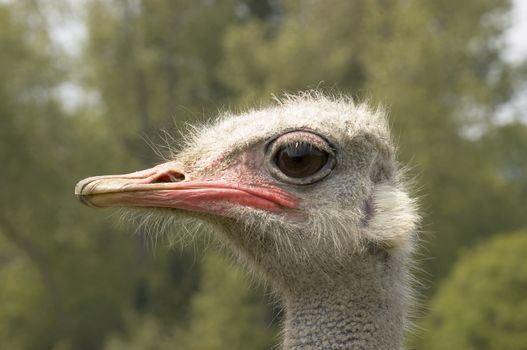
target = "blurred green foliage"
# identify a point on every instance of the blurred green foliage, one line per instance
(224, 314)
(482, 304)
(72, 279)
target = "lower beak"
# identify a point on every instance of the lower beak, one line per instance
(167, 186)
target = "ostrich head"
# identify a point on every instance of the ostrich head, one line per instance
(304, 190)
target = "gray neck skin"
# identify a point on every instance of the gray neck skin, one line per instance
(365, 309)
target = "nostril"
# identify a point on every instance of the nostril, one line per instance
(171, 176)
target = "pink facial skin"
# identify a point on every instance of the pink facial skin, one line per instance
(166, 186)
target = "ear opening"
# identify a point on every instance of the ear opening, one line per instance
(382, 170)
(383, 166)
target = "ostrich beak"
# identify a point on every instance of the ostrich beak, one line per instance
(168, 186)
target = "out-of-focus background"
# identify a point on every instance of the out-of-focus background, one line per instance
(84, 84)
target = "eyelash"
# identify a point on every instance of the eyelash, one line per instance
(298, 142)
(298, 146)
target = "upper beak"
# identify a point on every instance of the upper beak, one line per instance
(168, 186)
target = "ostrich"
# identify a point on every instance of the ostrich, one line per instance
(309, 195)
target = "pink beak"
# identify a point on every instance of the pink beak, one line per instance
(167, 186)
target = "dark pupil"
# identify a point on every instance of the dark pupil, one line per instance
(300, 160)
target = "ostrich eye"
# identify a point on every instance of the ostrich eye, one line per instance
(299, 160)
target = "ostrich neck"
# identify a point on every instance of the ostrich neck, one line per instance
(365, 309)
